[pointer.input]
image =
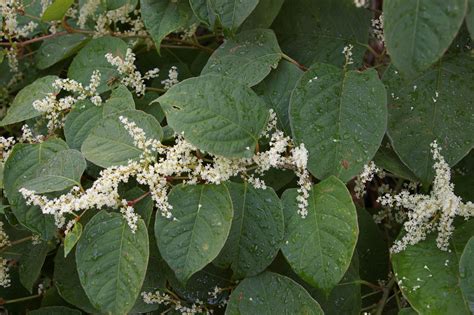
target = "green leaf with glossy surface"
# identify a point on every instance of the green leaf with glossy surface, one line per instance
(216, 114)
(256, 233)
(271, 293)
(162, 17)
(59, 48)
(418, 32)
(470, 17)
(263, 15)
(387, 159)
(112, 261)
(72, 237)
(66, 280)
(276, 90)
(466, 273)
(22, 106)
(341, 117)
(317, 31)
(110, 144)
(203, 216)
(92, 57)
(31, 264)
(231, 13)
(62, 171)
(319, 247)
(438, 105)
(247, 58)
(56, 10)
(23, 165)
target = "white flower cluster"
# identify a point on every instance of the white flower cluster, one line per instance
(131, 77)
(27, 135)
(366, 176)
(87, 10)
(160, 164)
(377, 28)
(172, 78)
(124, 16)
(6, 144)
(4, 275)
(347, 51)
(53, 108)
(428, 213)
(165, 299)
(361, 3)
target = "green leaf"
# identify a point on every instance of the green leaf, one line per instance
(463, 178)
(162, 17)
(116, 4)
(55, 310)
(216, 114)
(466, 273)
(247, 58)
(317, 31)
(62, 171)
(341, 117)
(23, 165)
(56, 10)
(110, 144)
(271, 293)
(231, 13)
(425, 273)
(31, 264)
(85, 116)
(256, 233)
(319, 247)
(22, 106)
(276, 90)
(470, 17)
(437, 105)
(112, 261)
(263, 15)
(72, 237)
(387, 159)
(66, 280)
(59, 48)
(92, 57)
(414, 38)
(202, 221)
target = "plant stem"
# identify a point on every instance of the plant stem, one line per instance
(293, 61)
(383, 300)
(21, 240)
(137, 200)
(26, 298)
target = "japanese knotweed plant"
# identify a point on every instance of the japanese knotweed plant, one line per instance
(236, 157)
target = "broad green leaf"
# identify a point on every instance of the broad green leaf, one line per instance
(231, 13)
(470, 17)
(466, 273)
(66, 280)
(317, 31)
(263, 15)
(23, 165)
(319, 247)
(1, 175)
(341, 117)
(110, 144)
(22, 106)
(116, 4)
(62, 171)
(72, 237)
(438, 105)
(271, 293)
(256, 233)
(85, 116)
(407, 311)
(216, 114)
(92, 57)
(112, 261)
(56, 10)
(55, 310)
(463, 178)
(417, 33)
(276, 90)
(59, 48)
(202, 11)
(247, 58)
(162, 17)
(202, 221)
(429, 278)
(31, 264)
(387, 159)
